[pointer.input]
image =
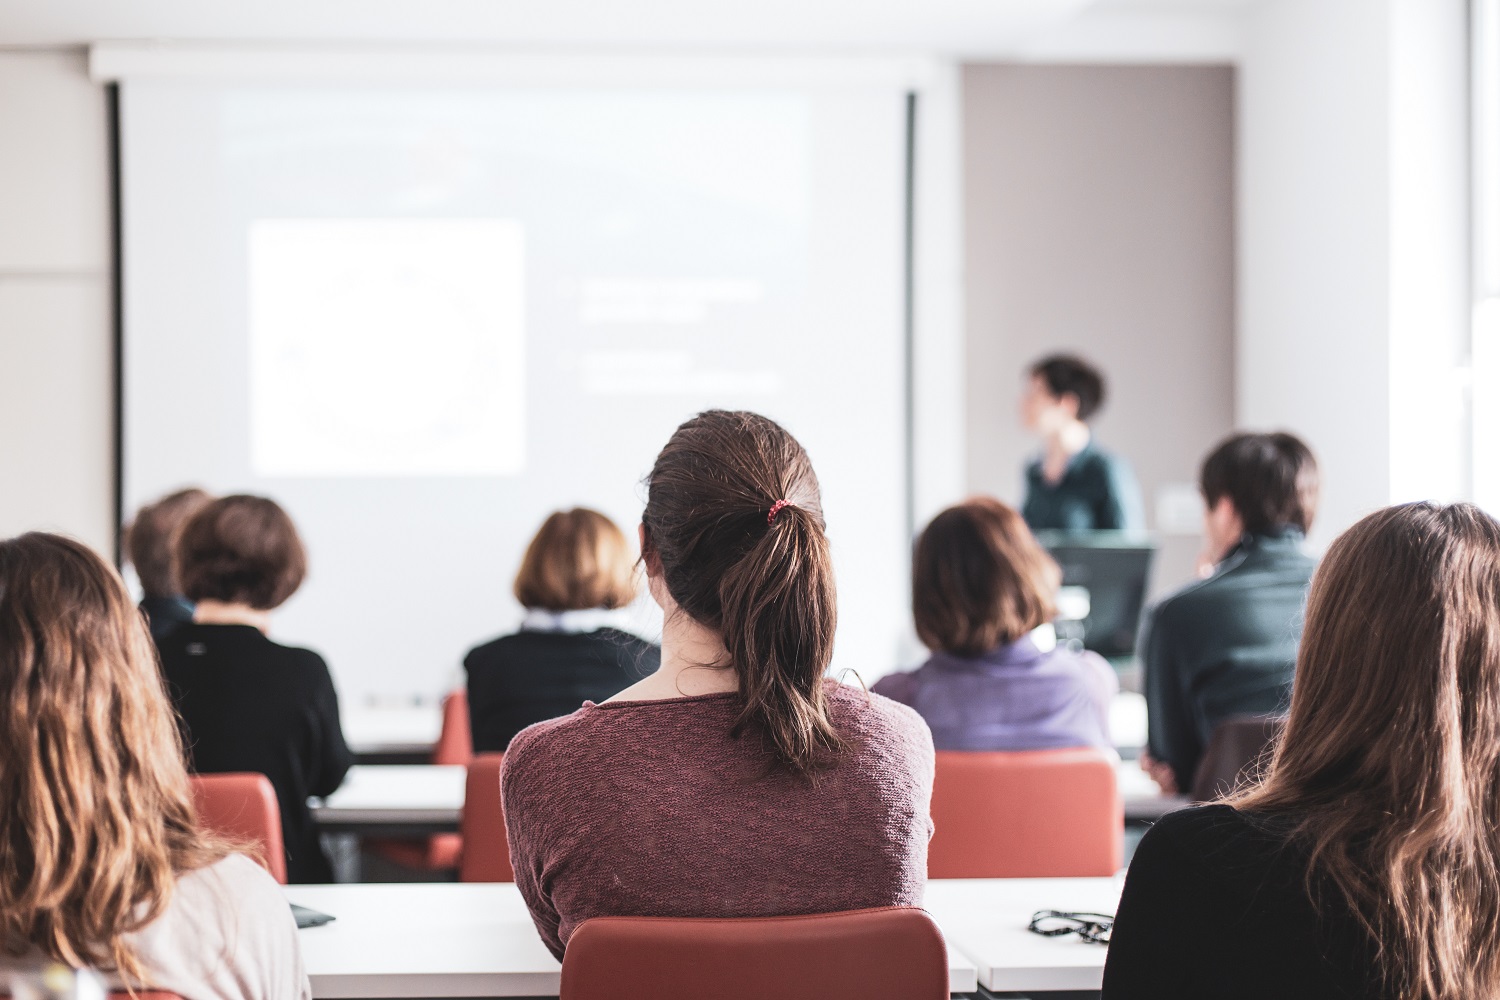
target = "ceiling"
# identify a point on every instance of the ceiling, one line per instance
(1049, 28)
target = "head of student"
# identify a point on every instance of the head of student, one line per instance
(579, 559)
(150, 538)
(980, 580)
(1258, 484)
(242, 551)
(98, 819)
(1061, 390)
(1389, 768)
(733, 538)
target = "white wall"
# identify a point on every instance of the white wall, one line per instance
(1351, 241)
(1099, 212)
(56, 373)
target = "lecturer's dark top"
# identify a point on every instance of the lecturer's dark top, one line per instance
(1224, 646)
(248, 704)
(528, 677)
(1216, 906)
(1097, 492)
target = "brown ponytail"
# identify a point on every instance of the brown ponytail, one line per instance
(765, 583)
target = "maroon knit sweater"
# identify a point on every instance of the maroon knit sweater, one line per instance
(651, 808)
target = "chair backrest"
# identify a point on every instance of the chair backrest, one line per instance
(486, 856)
(1027, 814)
(243, 807)
(1239, 750)
(455, 743)
(887, 954)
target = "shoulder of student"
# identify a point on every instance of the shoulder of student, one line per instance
(1189, 603)
(538, 749)
(883, 720)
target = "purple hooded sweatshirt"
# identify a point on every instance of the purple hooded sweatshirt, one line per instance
(1016, 697)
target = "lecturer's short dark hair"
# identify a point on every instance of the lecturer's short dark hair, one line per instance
(1272, 480)
(1070, 375)
(241, 550)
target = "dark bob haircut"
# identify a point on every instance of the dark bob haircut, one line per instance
(980, 579)
(1070, 375)
(1271, 479)
(150, 537)
(241, 550)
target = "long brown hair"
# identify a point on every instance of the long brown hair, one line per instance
(1389, 769)
(764, 583)
(96, 818)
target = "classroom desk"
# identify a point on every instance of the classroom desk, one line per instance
(394, 800)
(986, 919)
(1144, 802)
(420, 799)
(390, 734)
(422, 940)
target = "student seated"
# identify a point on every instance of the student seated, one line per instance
(1227, 645)
(1365, 863)
(149, 540)
(104, 864)
(244, 702)
(737, 780)
(576, 571)
(982, 592)
(1074, 485)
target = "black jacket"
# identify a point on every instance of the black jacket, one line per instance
(248, 704)
(1224, 646)
(1217, 905)
(528, 677)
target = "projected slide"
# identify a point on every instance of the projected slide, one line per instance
(386, 347)
(423, 317)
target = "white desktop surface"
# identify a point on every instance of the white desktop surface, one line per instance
(404, 940)
(1127, 720)
(391, 728)
(424, 940)
(377, 794)
(986, 919)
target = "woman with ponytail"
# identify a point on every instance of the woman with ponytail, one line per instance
(1367, 862)
(737, 780)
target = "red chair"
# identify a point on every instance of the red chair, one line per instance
(887, 954)
(243, 807)
(1029, 814)
(486, 854)
(441, 851)
(455, 743)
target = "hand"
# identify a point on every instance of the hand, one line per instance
(1160, 772)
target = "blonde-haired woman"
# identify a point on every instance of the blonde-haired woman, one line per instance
(1367, 863)
(101, 861)
(577, 572)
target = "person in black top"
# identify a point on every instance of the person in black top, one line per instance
(1226, 645)
(149, 541)
(1365, 863)
(577, 570)
(1074, 485)
(244, 702)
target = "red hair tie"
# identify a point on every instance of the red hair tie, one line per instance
(776, 509)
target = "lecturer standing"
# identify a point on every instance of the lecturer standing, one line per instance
(1073, 485)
